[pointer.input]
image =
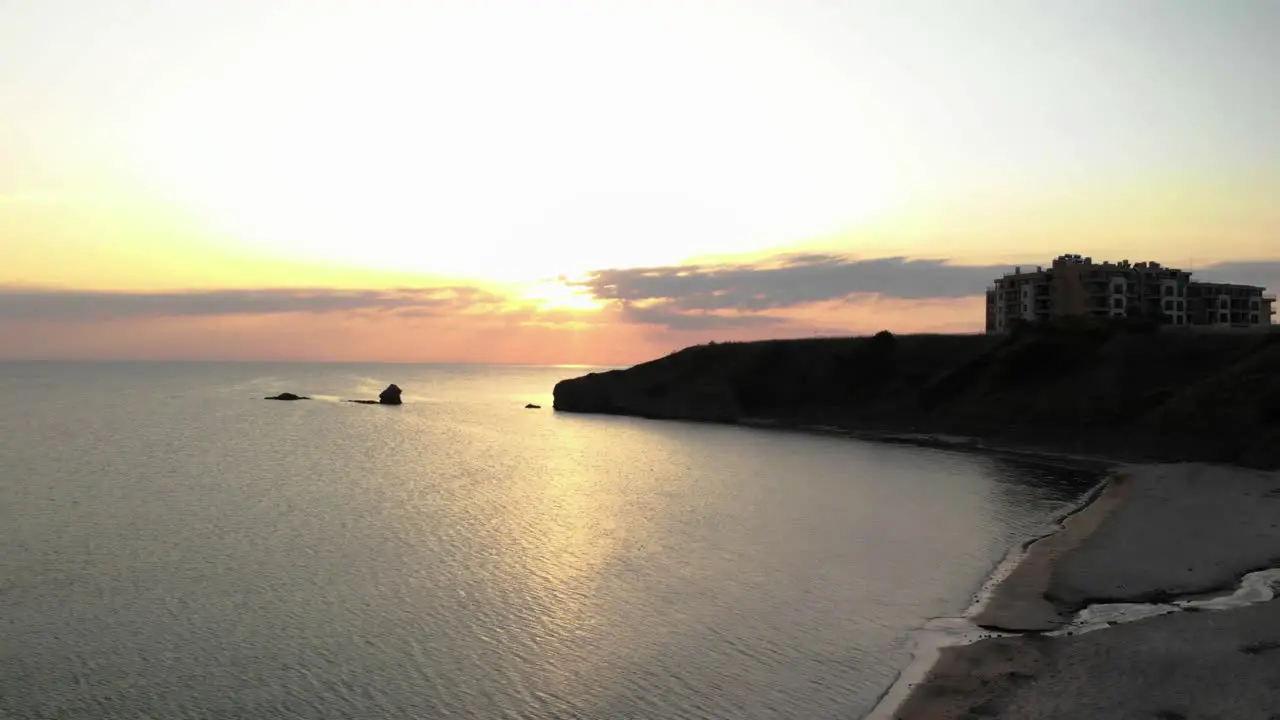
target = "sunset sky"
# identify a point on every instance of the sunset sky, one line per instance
(603, 181)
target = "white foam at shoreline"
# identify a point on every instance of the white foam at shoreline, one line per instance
(1256, 587)
(945, 632)
(929, 641)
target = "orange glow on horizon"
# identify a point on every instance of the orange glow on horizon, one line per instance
(425, 169)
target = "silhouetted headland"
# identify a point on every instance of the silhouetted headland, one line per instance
(287, 396)
(1116, 390)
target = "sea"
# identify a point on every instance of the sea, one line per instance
(174, 546)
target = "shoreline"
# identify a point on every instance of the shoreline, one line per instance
(1010, 604)
(1009, 595)
(1108, 591)
(1019, 603)
(937, 635)
(1011, 601)
(939, 441)
(1152, 600)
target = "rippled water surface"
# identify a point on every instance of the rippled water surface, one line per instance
(172, 546)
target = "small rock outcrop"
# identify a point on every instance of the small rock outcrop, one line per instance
(287, 396)
(390, 396)
(532, 406)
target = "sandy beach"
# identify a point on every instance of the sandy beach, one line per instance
(1154, 534)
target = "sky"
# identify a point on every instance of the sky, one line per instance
(604, 181)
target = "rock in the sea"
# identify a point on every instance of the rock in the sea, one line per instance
(287, 396)
(390, 396)
(532, 406)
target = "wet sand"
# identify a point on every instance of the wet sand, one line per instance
(1021, 602)
(1155, 533)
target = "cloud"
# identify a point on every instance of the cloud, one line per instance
(789, 282)
(722, 296)
(674, 319)
(26, 303)
(1265, 273)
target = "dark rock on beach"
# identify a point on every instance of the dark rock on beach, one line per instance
(533, 406)
(287, 396)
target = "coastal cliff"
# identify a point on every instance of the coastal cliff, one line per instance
(1110, 390)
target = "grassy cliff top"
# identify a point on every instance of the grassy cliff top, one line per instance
(1110, 389)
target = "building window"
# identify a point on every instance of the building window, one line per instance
(1253, 319)
(1179, 306)
(1222, 317)
(1253, 305)
(1168, 291)
(1117, 303)
(1168, 306)
(1224, 303)
(1117, 289)
(1024, 307)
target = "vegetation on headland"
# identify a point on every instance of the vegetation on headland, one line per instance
(1121, 389)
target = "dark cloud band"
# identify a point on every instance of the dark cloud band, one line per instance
(678, 297)
(796, 280)
(87, 305)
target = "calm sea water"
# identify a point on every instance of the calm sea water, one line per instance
(172, 546)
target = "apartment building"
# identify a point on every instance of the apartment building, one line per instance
(1225, 304)
(1078, 286)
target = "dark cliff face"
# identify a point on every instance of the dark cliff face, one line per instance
(1165, 396)
(614, 392)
